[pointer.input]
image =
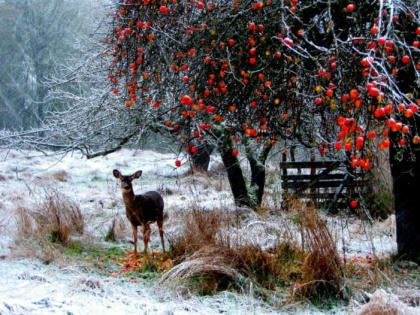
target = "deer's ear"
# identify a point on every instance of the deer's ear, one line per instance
(136, 175)
(117, 174)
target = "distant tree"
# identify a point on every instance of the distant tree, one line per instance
(37, 35)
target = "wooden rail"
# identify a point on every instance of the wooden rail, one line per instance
(324, 182)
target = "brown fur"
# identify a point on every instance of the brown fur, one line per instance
(141, 209)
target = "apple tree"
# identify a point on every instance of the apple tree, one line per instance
(336, 75)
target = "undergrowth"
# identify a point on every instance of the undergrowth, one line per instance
(53, 216)
(211, 255)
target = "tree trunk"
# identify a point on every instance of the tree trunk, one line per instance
(257, 180)
(405, 170)
(201, 158)
(235, 175)
(257, 165)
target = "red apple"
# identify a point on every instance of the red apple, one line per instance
(405, 59)
(350, 7)
(374, 30)
(354, 204)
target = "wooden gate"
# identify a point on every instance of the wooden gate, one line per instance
(326, 183)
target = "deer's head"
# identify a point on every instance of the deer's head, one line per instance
(126, 185)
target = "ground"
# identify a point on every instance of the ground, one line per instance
(74, 281)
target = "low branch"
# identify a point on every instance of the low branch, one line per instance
(116, 148)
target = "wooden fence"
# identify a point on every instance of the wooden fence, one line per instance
(326, 183)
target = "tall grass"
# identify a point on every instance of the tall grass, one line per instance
(322, 269)
(54, 216)
(117, 230)
(211, 254)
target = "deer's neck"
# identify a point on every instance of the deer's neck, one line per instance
(128, 197)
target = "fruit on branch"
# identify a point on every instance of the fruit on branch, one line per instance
(350, 7)
(374, 30)
(163, 9)
(288, 42)
(186, 100)
(405, 59)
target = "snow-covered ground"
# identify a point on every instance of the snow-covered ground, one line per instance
(29, 286)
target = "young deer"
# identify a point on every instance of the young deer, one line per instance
(141, 209)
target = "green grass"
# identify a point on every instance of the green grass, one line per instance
(88, 251)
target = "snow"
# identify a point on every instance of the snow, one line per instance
(29, 286)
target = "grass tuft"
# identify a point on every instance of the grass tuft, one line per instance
(322, 269)
(55, 217)
(117, 229)
(61, 176)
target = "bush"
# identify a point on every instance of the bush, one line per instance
(55, 217)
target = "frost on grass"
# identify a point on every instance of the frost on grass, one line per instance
(89, 183)
(54, 216)
(384, 303)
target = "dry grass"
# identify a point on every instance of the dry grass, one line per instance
(200, 228)
(61, 176)
(322, 268)
(165, 190)
(212, 178)
(212, 254)
(382, 303)
(55, 217)
(206, 271)
(117, 230)
(25, 222)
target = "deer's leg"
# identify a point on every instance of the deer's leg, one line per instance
(146, 236)
(160, 223)
(135, 238)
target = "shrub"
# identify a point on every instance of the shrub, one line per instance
(55, 217)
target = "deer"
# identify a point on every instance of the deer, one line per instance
(142, 209)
